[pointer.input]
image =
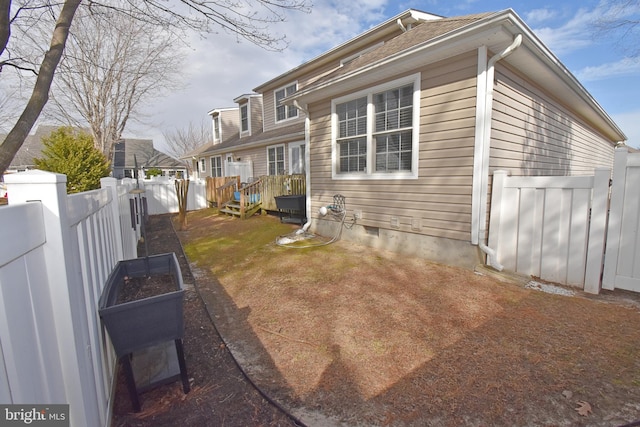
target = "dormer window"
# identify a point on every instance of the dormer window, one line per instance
(217, 131)
(285, 112)
(244, 118)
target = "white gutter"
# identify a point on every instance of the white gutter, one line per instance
(482, 148)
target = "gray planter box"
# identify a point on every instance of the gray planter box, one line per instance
(295, 205)
(145, 322)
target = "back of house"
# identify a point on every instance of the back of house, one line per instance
(409, 120)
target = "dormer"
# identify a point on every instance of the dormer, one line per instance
(249, 114)
(225, 123)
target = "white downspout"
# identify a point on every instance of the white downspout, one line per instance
(401, 25)
(484, 151)
(307, 164)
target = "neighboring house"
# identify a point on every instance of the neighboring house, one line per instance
(261, 144)
(409, 120)
(31, 149)
(131, 154)
(122, 164)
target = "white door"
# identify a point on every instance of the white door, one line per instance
(297, 158)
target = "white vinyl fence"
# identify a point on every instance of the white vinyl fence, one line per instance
(555, 228)
(622, 258)
(56, 253)
(161, 195)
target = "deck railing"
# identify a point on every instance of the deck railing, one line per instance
(220, 189)
(280, 185)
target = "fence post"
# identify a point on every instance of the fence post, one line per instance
(615, 218)
(497, 188)
(112, 185)
(597, 230)
(66, 288)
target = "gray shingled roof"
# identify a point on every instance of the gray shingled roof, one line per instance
(419, 34)
(31, 148)
(142, 151)
(273, 136)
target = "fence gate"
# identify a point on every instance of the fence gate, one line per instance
(622, 256)
(242, 169)
(551, 227)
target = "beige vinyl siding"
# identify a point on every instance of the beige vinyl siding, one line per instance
(229, 123)
(255, 104)
(534, 134)
(270, 113)
(440, 199)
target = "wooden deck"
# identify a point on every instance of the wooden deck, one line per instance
(231, 198)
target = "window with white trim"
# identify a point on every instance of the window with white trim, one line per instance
(244, 118)
(203, 165)
(297, 157)
(376, 131)
(216, 166)
(217, 131)
(275, 160)
(285, 112)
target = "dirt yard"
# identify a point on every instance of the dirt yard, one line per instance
(345, 335)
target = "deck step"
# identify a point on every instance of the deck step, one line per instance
(229, 211)
(233, 208)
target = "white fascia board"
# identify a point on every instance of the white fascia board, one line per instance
(220, 110)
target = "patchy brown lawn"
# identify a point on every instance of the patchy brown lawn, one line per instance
(345, 335)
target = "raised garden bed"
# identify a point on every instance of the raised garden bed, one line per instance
(295, 205)
(141, 306)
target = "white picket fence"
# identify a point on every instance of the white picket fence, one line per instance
(555, 228)
(56, 253)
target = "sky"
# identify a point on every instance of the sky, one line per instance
(220, 68)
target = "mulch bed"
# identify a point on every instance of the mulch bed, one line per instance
(220, 393)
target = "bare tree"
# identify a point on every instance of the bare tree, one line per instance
(621, 21)
(40, 94)
(112, 66)
(182, 141)
(248, 19)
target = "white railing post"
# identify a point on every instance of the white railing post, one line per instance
(111, 184)
(597, 230)
(66, 287)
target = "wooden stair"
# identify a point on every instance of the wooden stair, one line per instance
(234, 208)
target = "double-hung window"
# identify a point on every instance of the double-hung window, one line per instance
(352, 135)
(275, 160)
(376, 132)
(244, 118)
(216, 166)
(217, 131)
(284, 112)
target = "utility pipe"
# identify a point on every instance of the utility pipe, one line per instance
(485, 142)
